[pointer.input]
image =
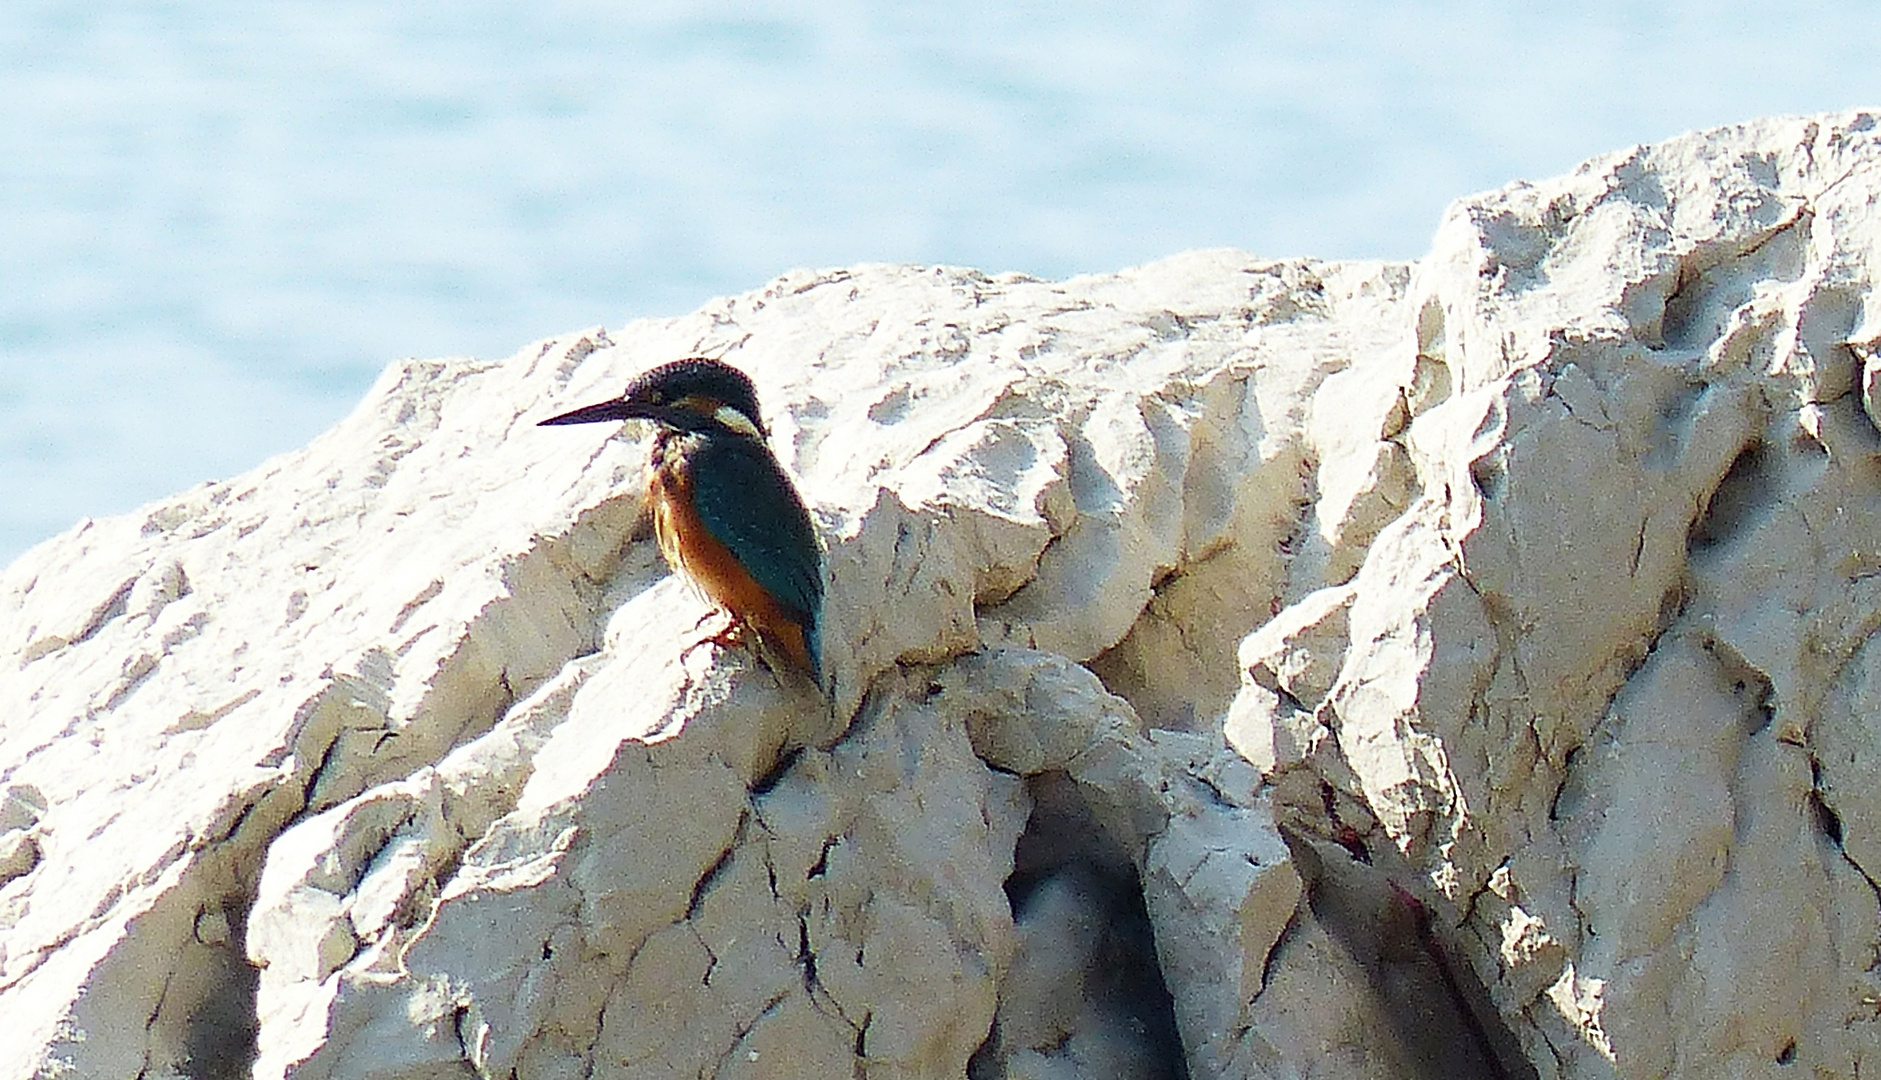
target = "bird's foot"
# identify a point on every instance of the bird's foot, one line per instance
(733, 634)
(738, 634)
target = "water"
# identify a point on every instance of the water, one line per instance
(219, 220)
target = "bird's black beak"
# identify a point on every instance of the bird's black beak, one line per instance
(618, 409)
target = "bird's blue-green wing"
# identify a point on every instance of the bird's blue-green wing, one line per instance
(745, 500)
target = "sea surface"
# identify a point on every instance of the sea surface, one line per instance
(219, 220)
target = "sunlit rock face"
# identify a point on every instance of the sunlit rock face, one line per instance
(1238, 668)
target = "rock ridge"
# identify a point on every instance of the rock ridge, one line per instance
(1240, 668)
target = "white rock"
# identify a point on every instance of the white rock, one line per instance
(1538, 575)
(1598, 681)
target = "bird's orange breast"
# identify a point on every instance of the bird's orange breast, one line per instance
(691, 549)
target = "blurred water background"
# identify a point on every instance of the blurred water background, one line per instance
(219, 220)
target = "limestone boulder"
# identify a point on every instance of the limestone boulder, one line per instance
(1238, 668)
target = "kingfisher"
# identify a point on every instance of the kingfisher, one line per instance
(726, 515)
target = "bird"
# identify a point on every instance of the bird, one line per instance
(726, 515)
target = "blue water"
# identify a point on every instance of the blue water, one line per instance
(219, 220)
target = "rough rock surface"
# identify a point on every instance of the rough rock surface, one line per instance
(1240, 669)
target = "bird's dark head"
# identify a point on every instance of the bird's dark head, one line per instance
(687, 394)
